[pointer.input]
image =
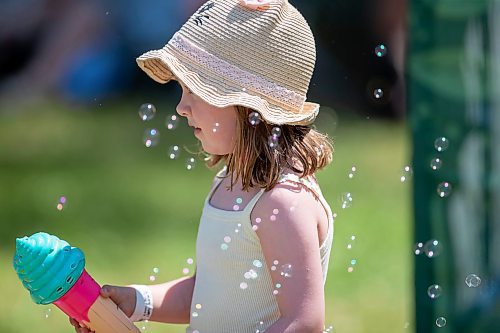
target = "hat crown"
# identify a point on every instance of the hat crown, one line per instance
(255, 53)
(274, 43)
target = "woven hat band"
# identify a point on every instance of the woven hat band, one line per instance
(249, 82)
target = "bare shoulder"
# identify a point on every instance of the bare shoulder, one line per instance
(288, 198)
(289, 208)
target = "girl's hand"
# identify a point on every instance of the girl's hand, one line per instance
(124, 297)
(78, 328)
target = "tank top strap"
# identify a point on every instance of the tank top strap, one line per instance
(313, 186)
(249, 207)
(217, 180)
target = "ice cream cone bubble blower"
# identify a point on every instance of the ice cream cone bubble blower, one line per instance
(54, 273)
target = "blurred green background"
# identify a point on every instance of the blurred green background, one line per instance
(131, 208)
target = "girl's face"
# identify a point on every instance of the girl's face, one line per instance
(214, 127)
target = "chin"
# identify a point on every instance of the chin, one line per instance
(215, 151)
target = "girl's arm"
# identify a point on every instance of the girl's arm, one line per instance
(172, 300)
(290, 243)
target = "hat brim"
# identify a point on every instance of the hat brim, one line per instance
(163, 66)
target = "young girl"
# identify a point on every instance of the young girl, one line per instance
(266, 231)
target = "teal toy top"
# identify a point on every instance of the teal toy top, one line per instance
(47, 266)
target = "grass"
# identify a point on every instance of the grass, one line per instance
(131, 209)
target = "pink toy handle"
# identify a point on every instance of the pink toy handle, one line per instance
(78, 300)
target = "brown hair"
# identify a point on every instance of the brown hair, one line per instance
(258, 164)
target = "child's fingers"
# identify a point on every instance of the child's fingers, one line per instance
(73, 322)
(79, 328)
(107, 291)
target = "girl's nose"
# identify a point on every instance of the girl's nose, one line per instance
(182, 108)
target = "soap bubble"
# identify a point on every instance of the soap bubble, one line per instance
(419, 248)
(156, 270)
(152, 278)
(436, 163)
(243, 285)
(48, 312)
(352, 172)
(380, 50)
(286, 270)
(151, 137)
(276, 131)
(190, 261)
(147, 111)
(444, 189)
(329, 329)
(172, 122)
(319, 150)
(406, 174)
(441, 322)
(251, 274)
(273, 141)
(257, 263)
(378, 93)
(174, 152)
(434, 291)
(346, 200)
(472, 281)
(254, 118)
(190, 163)
(432, 248)
(441, 144)
(144, 325)
(260, 329)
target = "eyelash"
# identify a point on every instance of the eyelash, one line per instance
(189, 91)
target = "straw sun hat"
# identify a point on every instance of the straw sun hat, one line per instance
(254, 53)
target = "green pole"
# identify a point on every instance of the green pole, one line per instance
(453, 93)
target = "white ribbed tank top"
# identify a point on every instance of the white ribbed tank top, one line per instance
(224, 300)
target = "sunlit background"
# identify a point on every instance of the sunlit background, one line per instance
(410, 94)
